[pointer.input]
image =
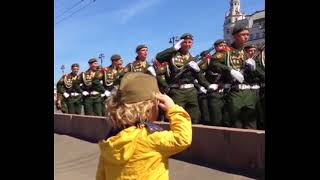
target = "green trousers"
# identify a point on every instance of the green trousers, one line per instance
(93, 105)
(203, 105)
(241, 105)
(188, 99)
(74, 105)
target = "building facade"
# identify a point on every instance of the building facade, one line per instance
(255, 22)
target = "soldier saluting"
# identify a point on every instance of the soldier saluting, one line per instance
(182, 90)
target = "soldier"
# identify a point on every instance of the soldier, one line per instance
(250, 50)
(161, 70)
(140, 64)
(90, 87)
(182, 90)
(110, 78)
(259, 75)
(202, 92)
(241, 99)
(69, 87)
(216, 101)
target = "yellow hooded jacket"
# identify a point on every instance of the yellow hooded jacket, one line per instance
(136, 153)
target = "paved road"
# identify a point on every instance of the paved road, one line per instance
(76, 159)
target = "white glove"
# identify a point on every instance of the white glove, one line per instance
(66, 95)
(237, 75)
(107, 93)
(76, 94)
(177, 46)
(194, 66)
(102, 95)
(213, 86)
(252, 63)
(85, 93)
(203, 90)
(152, 70)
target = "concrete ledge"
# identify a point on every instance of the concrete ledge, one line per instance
(236, 150)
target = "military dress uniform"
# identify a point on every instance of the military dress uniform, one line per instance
(138, 66)
(182, 90)
(241, 99)
(260, 72)
(69, 85)
(162, 73)
(216, 99)
(92, 100)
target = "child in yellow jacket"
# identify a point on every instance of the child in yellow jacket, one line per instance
(141, 150)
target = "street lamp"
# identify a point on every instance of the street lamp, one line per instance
(101, 56)
(173, 40)
(62, 68)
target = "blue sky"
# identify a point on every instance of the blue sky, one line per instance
(118, 26)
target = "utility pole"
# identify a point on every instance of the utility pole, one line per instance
(173, 40)
(101, 56)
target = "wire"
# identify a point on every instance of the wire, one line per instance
(75, 5)
(75, 12)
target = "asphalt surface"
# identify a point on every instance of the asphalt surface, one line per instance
(77, 159)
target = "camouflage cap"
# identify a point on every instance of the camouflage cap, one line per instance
(115, 57)
(92, 60)
(250, 46)
(186, 36)
(75, 65)
(219, 41)
(239, 28)
(136, 87)
(140, 47)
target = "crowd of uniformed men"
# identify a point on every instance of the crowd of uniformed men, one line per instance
(225, 88)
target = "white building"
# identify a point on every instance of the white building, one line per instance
(255, 22)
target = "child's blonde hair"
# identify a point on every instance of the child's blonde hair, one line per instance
(124, 115)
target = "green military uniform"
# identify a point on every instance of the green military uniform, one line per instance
(216, 99)
(69, 85)
(161, 75)
(260, 72)
(241, 99)
(161, 70)
(61, 103)
(138, 66)
(111, 77)
(90, 84)
(203, 104)
(182, 90)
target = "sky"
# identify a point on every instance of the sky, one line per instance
(83, 29)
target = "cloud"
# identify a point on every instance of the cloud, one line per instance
(127, 13)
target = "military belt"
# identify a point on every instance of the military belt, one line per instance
(245, 86)
(94, 93)
(74, 94)
(182, 86)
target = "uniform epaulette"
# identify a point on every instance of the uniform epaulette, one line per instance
(218, 55)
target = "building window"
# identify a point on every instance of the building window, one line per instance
(251, 37)
(227, 31)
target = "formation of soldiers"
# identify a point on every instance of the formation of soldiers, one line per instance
(225, 88)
